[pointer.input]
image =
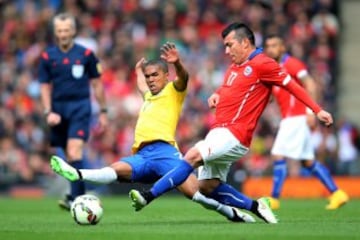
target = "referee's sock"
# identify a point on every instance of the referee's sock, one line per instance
(77, 188)
(279, 176)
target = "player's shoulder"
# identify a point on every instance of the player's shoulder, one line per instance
(291, 60)
(263, 61)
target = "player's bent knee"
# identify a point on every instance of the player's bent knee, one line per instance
(307, 163)
(193, 157)
(123, 170)
(207, 186)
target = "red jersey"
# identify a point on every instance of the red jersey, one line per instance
(289, 105)
(245, 93)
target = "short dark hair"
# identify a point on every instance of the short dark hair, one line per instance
(274, 35)
(159, 62)
(241, 31)
(277, 36)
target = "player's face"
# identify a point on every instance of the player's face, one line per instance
(64, 32)
(235, 48)
(274, 48)
(156, 78)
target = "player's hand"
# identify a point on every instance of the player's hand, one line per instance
(53, 119)
(138, 66)
(213, 100)
(169, 53)
(325, 117)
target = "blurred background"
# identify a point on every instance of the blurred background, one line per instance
(120, 32)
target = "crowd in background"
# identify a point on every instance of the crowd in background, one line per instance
(120, 32)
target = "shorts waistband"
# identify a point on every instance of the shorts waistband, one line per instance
(145, 144)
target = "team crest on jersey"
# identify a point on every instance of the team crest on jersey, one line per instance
(77, 70)
(247, 71)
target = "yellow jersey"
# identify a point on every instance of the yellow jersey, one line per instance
(159, 116)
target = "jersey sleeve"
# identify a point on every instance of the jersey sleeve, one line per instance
(299, 92)
(93, 65)
(44, 68)
(270, 72)
(179, 95)
(296, 68)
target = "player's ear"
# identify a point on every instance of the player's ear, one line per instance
(246, 42)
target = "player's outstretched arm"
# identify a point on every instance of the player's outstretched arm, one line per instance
(171, 55)
(140, 77)
(300, 93)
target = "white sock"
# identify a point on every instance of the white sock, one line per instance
(212, 204)
(103, 175)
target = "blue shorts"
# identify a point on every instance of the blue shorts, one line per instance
(153, 161)
(75, 122)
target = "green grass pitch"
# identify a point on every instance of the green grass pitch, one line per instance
(172, 218)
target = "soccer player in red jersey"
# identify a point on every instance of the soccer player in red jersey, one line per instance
(293, 140)
(239, 102)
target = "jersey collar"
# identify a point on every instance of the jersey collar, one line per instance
(253, 54)
(284, 58)
(256, 52)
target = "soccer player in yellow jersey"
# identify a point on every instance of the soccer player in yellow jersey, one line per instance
(154, 148)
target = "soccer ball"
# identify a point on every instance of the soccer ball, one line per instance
(86, 210)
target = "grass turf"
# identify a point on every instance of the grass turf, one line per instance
(175, 218)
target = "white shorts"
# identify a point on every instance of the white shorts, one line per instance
(293, 139)
(219, 150)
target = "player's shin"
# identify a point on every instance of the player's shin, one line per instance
(322, 173)
(172, 179)
(104, 175)
(280, 173)
(228, 195)
(212, 204)
(230, 213)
